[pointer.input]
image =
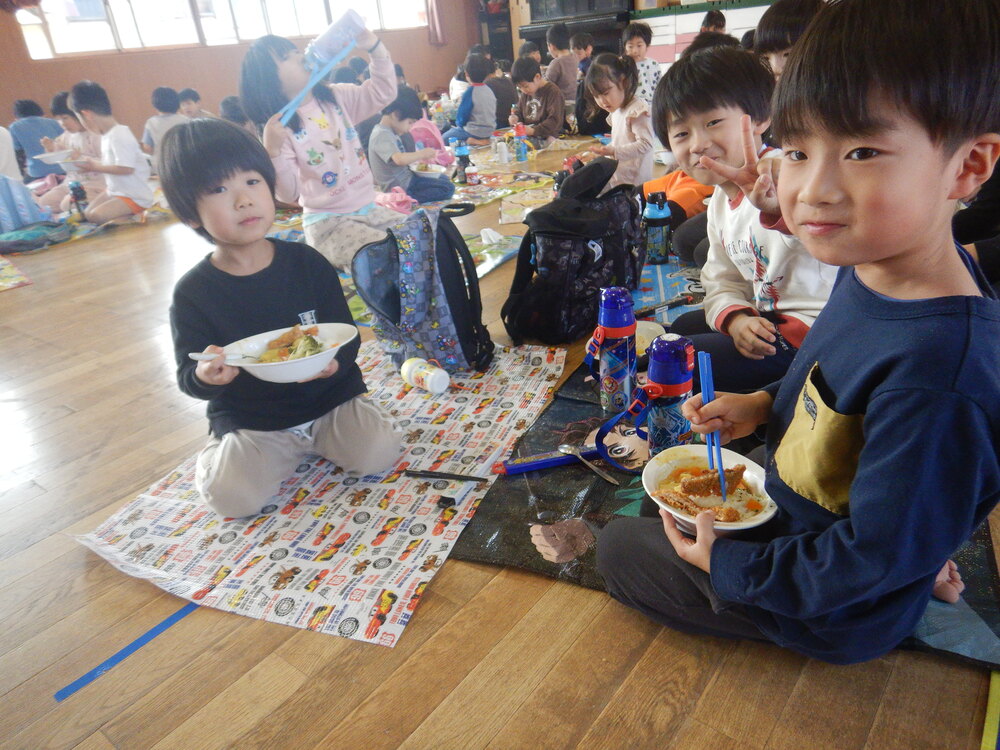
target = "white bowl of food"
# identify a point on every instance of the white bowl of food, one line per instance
(645, 332)
(421, 167)
(54, 157)
(679, 481)
(289, 355)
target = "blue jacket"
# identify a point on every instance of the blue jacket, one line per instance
(882, 458)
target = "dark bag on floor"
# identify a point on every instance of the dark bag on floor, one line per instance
(577, 244)
(421, 285)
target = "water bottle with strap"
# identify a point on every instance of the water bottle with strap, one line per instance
(658, 402)
(611, 350)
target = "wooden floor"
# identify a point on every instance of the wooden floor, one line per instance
(494, 658)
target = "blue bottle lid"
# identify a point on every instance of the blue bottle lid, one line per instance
(615, 309)
(671, 362)
(656, 206)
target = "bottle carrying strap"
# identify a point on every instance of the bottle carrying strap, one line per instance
(317, 75)
(639, 409)
(592, 358)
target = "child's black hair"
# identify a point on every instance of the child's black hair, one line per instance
(344, 74)
(527, 48)
(165, 99)
(478, 68)
(87, 95)
(558, 36)
(406, 105)
(747, 40)
(609, 70)
(637, 29)
(937, 62)
(714, 19)
(481, 49)
(503, 66)
(708, 39)
(358, 65)
(260, 88)
(60, 105)
(231, 109)
(189, 95)
(710, 78)
(784, 22)
(524, 70)
(28, 108)
(581, 40)
(198, 155)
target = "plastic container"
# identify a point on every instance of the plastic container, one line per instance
(520, 142)
(503, 153)
(617, 358)
(462, 154)
(337, 37)
(656, 220)
(671, 370)
(472, 175)
(420, 373)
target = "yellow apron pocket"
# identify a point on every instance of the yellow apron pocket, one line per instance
(818, 455)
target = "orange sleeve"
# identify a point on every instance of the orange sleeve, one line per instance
(682, 190)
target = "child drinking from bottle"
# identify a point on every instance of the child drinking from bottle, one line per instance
(318, 157)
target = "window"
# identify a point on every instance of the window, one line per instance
(66, 27)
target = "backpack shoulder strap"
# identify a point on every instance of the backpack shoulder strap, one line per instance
(522, 277)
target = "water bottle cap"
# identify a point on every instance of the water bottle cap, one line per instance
(615, 309)
(656, 206)
(671, 360)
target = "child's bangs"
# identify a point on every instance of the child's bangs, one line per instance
(830, 105)
(215, 150)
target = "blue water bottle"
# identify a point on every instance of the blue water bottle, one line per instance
(659, 237)
(612, 347)
(520, 143)
(671, 371)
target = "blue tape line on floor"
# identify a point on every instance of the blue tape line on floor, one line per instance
(131, 648)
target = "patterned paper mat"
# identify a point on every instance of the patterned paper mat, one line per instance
(11, 276)
(333, 553)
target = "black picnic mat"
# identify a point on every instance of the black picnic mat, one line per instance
(577, 503)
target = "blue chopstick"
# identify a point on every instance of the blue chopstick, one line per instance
(712, 442)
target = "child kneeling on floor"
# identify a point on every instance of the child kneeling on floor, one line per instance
(882, 435)
(219, 181)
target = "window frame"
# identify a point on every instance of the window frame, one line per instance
(199, 30)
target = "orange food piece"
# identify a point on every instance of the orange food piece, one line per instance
(754, 505)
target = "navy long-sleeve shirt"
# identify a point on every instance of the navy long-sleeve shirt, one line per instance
(211, 306)
(882, 458)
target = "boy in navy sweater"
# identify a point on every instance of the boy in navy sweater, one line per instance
(219, 181)
(882, 436)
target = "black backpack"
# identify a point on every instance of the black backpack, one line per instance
(421, 285)
(577, 244)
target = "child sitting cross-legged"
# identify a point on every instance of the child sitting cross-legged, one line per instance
(391, 162)
(540, 106)
(762, 289)
(122, 162)
(475, 119)
(81, 142)
(219, 181)
(882, 450)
